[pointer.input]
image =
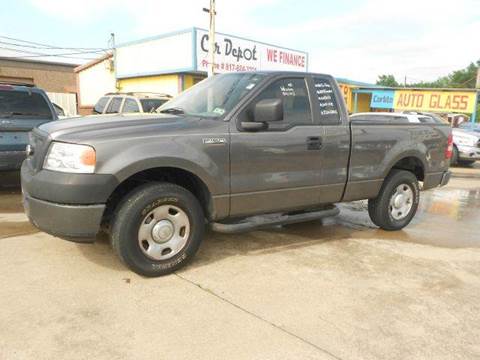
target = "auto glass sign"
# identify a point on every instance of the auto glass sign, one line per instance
(236, 54)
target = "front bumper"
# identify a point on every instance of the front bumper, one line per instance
(468, 152)
(75, 222)
(65, 205)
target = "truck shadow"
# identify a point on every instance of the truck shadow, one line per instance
(217, 247)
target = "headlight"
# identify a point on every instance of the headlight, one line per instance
(70, 158)
(466, 141)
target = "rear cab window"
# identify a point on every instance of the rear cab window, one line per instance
(325, 101)
(24, 104)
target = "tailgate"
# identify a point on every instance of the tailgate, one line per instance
(14, 132)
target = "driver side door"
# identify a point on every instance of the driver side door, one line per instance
(278, 168)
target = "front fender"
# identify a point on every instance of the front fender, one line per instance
(209, 163)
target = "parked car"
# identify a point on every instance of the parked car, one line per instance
(466, 145)
(392, 117)
(238, 151)
(22, 107)
(132, 102)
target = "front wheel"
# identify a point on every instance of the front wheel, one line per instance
(157, 228)
(397, 201)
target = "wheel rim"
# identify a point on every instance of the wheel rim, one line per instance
(164, 232)
(401, 202)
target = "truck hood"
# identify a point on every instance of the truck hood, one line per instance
(114, 126)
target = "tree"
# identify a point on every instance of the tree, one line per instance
(387, 80)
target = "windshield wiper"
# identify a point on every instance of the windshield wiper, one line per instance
(173, 110)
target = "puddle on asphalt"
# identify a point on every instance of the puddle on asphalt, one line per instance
(447, 217)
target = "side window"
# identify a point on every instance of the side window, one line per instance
(114, 106)
(328, 107)
(100, 105)
(296, 105)
(150, 105)
(130, 106)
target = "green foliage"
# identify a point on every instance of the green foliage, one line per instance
(387, 80)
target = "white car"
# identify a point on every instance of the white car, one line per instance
(466, 147)
(392, 117)
(466, 144)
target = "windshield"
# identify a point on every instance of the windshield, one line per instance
(213, 97)
(23, 104)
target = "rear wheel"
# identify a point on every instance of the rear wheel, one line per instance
(157, 228)
(397, 201)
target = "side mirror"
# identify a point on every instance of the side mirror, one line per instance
(268, 110)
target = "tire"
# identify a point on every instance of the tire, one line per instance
(454, 158)
(386, 215)
(157, 229)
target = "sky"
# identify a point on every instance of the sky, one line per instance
(359, 40)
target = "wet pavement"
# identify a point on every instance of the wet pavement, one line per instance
(337, 288)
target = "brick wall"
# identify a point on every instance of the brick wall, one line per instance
(50, 77)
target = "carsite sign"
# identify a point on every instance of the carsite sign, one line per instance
(424, 100)
(237, 54)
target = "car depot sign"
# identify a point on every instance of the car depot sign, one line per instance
(424, 100)
(187, 51)
(237, 54)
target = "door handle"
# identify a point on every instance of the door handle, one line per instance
(314, 143)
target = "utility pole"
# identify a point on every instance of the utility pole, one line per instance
(114, 57)
(405, 82)
(211, 38)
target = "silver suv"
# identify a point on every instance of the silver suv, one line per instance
(131, 102)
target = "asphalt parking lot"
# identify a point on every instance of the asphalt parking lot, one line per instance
(336, 289)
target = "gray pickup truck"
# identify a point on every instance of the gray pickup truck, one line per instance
(237, 152)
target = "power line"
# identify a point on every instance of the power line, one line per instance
(47, 46)
(37, 56)
(45, 54)
(44, 48)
